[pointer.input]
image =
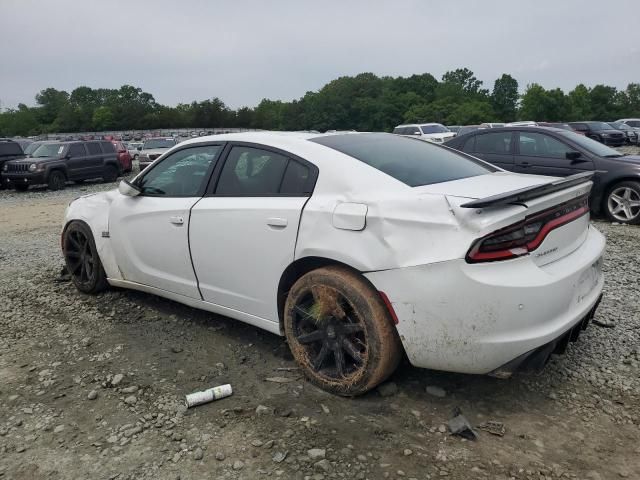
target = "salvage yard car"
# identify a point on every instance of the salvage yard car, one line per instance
(430, 132)
(559, 153)
(153, 148)
(55, 163)
(357, 247)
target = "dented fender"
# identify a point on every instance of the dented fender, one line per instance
(93, 209)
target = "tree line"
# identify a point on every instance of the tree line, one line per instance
(363, 102)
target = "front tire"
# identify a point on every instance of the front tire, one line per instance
(340, 332)
(57, 180)
(622, 203)
(82, 260)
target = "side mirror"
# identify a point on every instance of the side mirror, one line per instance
(127, 188)
(573, 155)
(417, 133)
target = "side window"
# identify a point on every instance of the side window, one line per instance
(633, 123)
(94, 148)
(496, 143)
(77, 150)
(539, 145)
(107, 147)
(251, 171)
(181, 174)
(398, 130)
(469, 145)
(296, 179)
(412, 130)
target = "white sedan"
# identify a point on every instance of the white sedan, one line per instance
(357, 247)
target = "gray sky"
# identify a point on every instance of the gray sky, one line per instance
(243, 51)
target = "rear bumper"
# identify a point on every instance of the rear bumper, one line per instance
(535, 360)
(475, 318)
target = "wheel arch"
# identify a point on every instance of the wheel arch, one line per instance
(301, 267)
(608, 186)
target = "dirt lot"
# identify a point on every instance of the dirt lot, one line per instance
(92, 387)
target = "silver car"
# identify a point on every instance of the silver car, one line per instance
(153, 148)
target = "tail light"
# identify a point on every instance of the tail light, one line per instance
(524, 237)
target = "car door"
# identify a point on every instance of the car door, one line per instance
(77, 165)
(495, 147)
(94, 160)
(243, 234)
(542, 154)
(149, 232)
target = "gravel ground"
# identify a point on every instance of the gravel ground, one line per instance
(92, 387)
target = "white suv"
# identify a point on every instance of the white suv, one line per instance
(431, 132)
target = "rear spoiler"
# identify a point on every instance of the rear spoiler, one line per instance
(523, 194)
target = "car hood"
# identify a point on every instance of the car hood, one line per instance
(36, 160)
(632, 159)
(613, 130)
(483, 186)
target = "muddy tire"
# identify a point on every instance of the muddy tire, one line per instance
(340, 332)
(56, 180)
(622, 203)
(110, 174)
(82, 260)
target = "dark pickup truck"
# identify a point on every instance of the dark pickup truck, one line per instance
(55, 163)
(9, 150)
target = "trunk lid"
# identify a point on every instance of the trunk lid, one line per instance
(507, 199)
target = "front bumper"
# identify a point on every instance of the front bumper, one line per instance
(475, 318)
(24, 178)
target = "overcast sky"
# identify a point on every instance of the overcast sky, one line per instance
(243, 51)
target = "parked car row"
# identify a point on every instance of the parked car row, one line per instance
(56, 163)
(620, 132)
(560, 153)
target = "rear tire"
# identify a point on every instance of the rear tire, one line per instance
(57, 180)
(82, 260)
(20, 187)
(340, 332)
(622, 203)
(110, 174)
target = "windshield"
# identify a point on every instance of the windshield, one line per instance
(599, 126)
(159, 143)
(437, 128)
(592, 146)
(48, 150)
(31, 148)
(409, 160)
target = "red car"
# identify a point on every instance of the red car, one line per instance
(124, 157)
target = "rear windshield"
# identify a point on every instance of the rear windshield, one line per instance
(434, 129)
(412, 161)
(10, 148)
(159, 143)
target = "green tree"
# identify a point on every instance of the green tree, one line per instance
(51, 101)
(102, 118)
(579, 103)
(504, 98)
(603, 103)
(466, 80)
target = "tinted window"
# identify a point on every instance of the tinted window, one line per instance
(107, 147)
(411, 130)
(633, 123)
(77, 150)
(10, 148)
(181, 174)
(94, 148)
(496, 142)
(539, 145)
(296, 179)
(411, 161)
(469, 145)
(251, 171)
(592, 146)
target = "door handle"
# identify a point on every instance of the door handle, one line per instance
(277, 222)
(176, 220)
(525, 164)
